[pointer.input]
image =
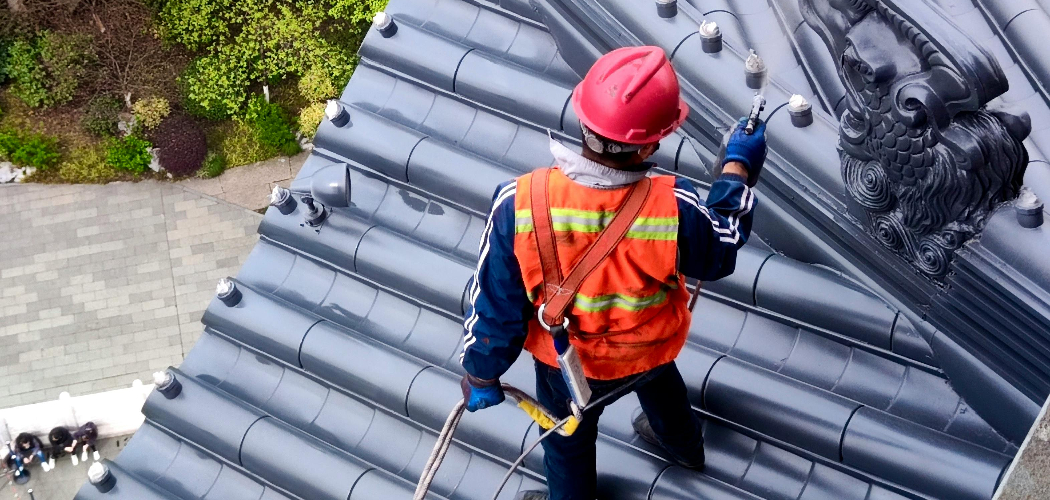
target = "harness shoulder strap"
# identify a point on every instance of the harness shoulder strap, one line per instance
(559, 291)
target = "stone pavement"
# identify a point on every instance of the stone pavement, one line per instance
(1029, 477)
(100, 285)
(249, 186)
(61, 483)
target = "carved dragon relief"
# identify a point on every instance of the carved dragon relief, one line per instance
(922, 155)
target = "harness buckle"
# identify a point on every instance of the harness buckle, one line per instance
(555, 330)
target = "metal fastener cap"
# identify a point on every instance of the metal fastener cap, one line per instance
(755, 71)
(801, 111)
(226, 291)
(1029, 209)
(100, 477)
(384, 24)
(667, 8)
(710, 37)
(167, 384)
(282, 199)
(336, 113)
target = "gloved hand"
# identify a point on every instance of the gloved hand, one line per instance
(480, 393)
(750, 150)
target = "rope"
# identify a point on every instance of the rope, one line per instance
(437, 455)
(444, 439)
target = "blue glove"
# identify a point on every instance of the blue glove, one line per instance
(747, 149)
(480, 394)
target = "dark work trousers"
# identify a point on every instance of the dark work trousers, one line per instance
(569, 462)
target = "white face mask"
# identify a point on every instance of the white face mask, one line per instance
(588, 172)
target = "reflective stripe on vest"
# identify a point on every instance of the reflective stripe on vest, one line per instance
(631, 314)
(588, 221)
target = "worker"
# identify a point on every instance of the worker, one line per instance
(629, 317)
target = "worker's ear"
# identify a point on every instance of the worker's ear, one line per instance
(648, 150)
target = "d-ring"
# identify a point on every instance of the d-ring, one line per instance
(539, 316)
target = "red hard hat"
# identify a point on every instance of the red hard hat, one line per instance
(631, 95)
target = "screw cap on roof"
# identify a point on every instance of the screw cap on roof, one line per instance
(710, 37)
(801, 111)
(755, 71)
(283, 200)
(336, 113)
(384, 24)
(667, 8)
(100, 477)
(167, 384)
(226, 291)
(1029, 209)
(631, 95)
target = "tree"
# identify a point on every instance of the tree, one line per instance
(257, 42)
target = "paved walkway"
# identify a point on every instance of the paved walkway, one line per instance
(100, 285)
(1029, 478)
(64, 482)
(249, 186)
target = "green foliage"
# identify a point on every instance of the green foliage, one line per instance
(28, 149)
(214, 166)
(5, 57)
(25, 68)
(310, 118)
(317, 84)
(239, 144)
(245, 42)
(150, 111)
(271, 127)
(47, 69)
(88, 166)
(196, 23)
(130, 154)
(100, 116)
(215, 86)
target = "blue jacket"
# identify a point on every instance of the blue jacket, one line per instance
(495, 327)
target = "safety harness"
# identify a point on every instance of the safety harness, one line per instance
(560, 291)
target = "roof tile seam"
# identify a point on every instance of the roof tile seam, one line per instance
(506, 115)
(1013, 50)
(1007, 25)
(769, 440)
(832, 335)
(183, 441)
(376, 407)
(805, 482)
(845, 428)
(363, 279)
(365, 472)
(652, 486)
(299, 352)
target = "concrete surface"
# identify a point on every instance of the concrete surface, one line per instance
(249, 186)
(1029, 476)
(100, 285)
(61, 483)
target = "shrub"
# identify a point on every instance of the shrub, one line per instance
(239, 144)
(317, 84)
(181, 145)
(271, 126)
(214, 86)
(150, 111)
(100, 117)
(25, 68)
(29, 149)
(214, 166)
(88, 166)
(130, 153)
(246, 42)
(310, 118)
(47, 70)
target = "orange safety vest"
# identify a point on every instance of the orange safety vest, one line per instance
(632, 313)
